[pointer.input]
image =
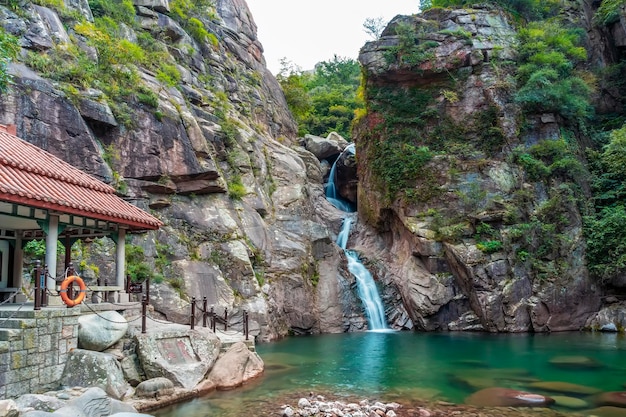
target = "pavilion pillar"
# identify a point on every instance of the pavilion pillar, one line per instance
(18, 262)
(120, 258)
(52, 237)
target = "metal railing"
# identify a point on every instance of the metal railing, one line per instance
(210, 314)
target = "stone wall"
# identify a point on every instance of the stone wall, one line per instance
(34, 346)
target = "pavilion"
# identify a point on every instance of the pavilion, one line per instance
(44, 197)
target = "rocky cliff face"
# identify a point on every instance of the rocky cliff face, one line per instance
(465, 243)
(201, 136)
(213, 155)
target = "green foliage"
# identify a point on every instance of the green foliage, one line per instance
(525, 9)
(608, 12)
(187, 12)
(148, 97)
(169, 75)
(458, 32)
(236, 189)
(399, 165)
(606, 242)
(9, 48)
(605, 232)
(197, 30)
(609, 167)
(35, 249)
(136, 266)
(163, 253)
(326, 100)
(118, 10)
(489, 246)
(548, 82)
(550, 158)
(410, 51)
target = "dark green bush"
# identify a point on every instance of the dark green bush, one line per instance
(606, 242)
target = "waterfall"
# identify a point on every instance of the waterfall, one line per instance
(365, 282)
(331, 190)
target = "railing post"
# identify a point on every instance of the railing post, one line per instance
(245, 323)
(148, 289)
(212, 320)
(225, 319)
(204, 311)
(70, 289)
(193, 312)
(144, 304)
(44, 286)
(38, 286)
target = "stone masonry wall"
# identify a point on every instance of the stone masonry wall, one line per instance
(34, 346)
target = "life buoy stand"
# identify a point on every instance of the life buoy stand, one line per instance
(81, 295)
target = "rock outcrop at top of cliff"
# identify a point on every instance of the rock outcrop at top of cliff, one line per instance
(467, 238)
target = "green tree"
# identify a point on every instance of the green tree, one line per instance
(374, 26)
(8, 51)
(325, 100)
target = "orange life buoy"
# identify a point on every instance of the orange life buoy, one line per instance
(81, 295)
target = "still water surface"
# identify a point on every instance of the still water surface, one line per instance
(397, 366)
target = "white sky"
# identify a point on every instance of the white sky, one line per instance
(310, 31)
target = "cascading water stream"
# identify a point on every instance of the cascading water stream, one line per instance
(331, 190)
(365, 283)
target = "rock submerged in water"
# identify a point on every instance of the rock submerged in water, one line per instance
(575, 362)
(564, 387)
(613, 398)
(570, 402)
(607, 412)
(506, 397)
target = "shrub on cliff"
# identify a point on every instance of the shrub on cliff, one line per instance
(526, 9)
(8, 51)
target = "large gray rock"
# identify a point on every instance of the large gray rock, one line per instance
(100, 331)
(610, 318)
(85, 368)
(320, 147)
(162, 6)
(8, 408)
(154, 388)
(182, 356)
(39, 402)
(235, 367)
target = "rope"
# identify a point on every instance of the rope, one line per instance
(160, 321)
(57, 279)
(109, 320)
(101, 298)
(13, 295)
(16, 311)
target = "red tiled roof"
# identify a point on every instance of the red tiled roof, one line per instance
(33, 177)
